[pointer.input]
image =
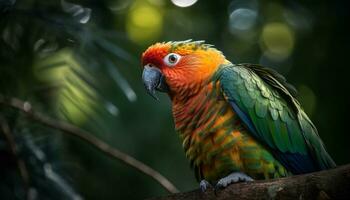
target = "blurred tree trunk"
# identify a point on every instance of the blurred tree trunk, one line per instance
(330, 184)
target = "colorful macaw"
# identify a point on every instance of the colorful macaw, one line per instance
(237, 122)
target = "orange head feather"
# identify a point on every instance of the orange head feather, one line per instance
(184, 64)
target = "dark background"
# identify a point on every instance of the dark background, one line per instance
(80, 61)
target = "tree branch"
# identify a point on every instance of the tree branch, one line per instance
(70, 129)
(22, 168)
(330, 184)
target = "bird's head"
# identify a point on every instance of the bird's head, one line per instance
(178, 68)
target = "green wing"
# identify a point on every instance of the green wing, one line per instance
(266, 105)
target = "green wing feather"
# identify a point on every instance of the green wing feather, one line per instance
(266, 104)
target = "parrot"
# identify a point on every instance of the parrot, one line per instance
(236, 122)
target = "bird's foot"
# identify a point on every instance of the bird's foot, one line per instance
(232, 178)
(204, 185)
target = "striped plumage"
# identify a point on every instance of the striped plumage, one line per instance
(215, 140)
(235, 117)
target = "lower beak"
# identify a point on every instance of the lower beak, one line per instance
(153, 80)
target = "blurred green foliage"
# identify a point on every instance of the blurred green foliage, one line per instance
(79, 61)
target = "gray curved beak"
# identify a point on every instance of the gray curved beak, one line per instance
(153, 80)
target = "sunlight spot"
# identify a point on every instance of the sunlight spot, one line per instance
(184, 3)
(146, 16)
(277, 41)
(242, 19)
(157, 2)
(144, 22)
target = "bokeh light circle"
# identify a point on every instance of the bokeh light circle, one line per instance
(242, 19)
(277, 40)
(146, 16)
(184, 3)
(144, 22)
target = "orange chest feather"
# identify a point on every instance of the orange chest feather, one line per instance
(203, 118)
(215, 140)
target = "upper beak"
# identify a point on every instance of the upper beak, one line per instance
(153, 80)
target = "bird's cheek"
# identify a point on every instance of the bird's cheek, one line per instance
(166, 71)
(168, 75)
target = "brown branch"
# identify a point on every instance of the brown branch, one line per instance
(70, 129)
(330, 184)
(22, 168)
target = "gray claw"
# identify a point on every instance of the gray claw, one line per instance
(204, 185)
(233, 178)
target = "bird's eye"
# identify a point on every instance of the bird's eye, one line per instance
(172, 59)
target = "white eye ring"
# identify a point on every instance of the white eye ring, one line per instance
(172, 59)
